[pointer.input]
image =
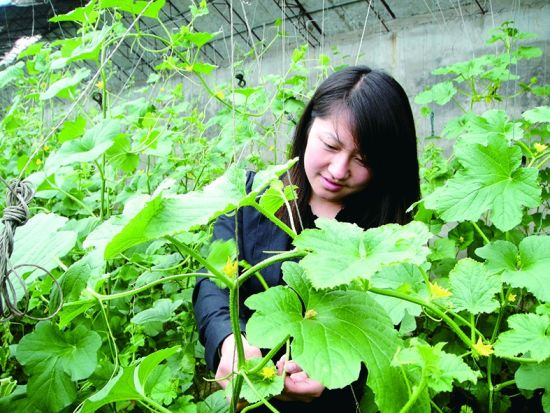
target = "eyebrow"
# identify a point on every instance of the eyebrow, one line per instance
(333, 136)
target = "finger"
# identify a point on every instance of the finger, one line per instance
(291, 367)
(299, 376)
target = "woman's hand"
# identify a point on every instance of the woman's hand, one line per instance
(228, 361)
(298, 385)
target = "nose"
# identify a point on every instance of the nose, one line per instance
(339, 167)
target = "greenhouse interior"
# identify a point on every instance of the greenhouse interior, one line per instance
(274, 206)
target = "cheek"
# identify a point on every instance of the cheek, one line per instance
(311, 161)
(363, 176)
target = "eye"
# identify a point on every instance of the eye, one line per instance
(361, 161)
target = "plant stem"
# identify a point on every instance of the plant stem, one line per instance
(416, 394)
(262, 399)
(129, 293)
(267, 262)
(480, 232)
(541, 163)
(150, 403)
(523, 146)
(504, 384)
(268, 356)
(218, 274)
(237, 382)
(274, 219)
(75, 199)
(102, 195)
(112, 341)
(449, 321)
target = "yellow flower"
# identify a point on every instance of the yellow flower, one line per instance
(100, 85)
(310, 314)
(230, 268)
(39, 161)
(268, 373)
(219, 94)
(439, 292)
(512, 297)
(46, 148)
(539, 147)
(483, 349)
(188, 68)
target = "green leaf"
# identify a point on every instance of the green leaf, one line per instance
(56, 359)
(340, 252)
(95, 142)
(440, 93)
(162, 385)
(62, 85)
(205, 68)
(135, 7)
(85, 14)
(162, 311)
(529, 335)
(478, 129)
(265, 386)
(274, 197)
(128, 383)
(11, 73)
(50, 389)
(533, 377)
(523, 267)
(121, 156)
(149, 363)
(74, 351)
(199, 39)
(540, 114)
(40, 242)
(172, 214)
(330, 341)
(473, 287)
(222, 256)
(405, 278)
(492, 179)
(119, 388)
(443, 249)
(215, 403)
(527, 52)
(72, 129)
(438, 367)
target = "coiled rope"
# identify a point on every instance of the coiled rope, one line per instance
(16, 214)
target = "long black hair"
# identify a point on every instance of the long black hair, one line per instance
(383, 129)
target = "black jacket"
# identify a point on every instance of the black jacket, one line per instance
(256, 237)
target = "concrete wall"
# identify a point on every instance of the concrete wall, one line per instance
(417, 45)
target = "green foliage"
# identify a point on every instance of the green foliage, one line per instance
(525, 266)
(129, 383)
(127, 190)
(54, 361)
(341, 252)
(329, 341)
(528, 335)
(438, 368)
(492, 180)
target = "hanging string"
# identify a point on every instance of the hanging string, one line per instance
(16, 214)
(363, 33)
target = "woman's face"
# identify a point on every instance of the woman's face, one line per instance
(333, 165)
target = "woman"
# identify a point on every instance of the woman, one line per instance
(356, 145)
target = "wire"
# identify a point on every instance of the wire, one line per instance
(16, 214)
(363, 34)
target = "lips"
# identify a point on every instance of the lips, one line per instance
(330, 185)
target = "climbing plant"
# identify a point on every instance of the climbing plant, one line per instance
(453, 305)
